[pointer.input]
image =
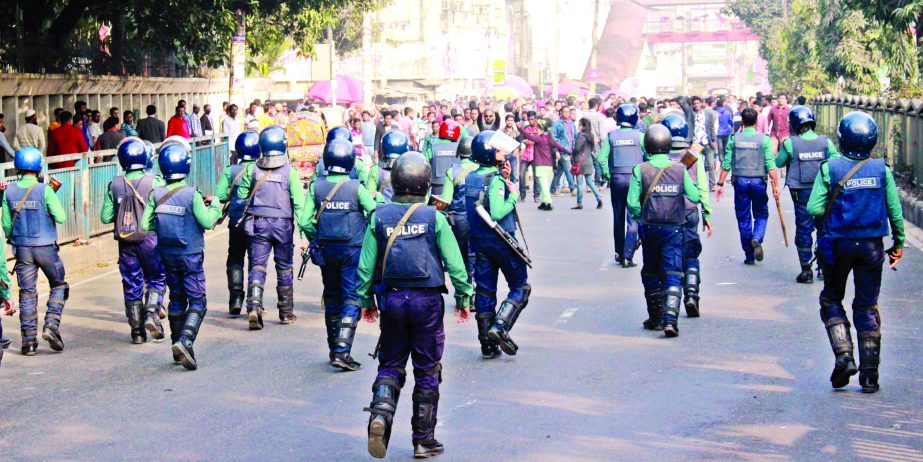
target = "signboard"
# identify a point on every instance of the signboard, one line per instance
(499, 71)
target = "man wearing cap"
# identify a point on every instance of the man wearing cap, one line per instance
(30, 134)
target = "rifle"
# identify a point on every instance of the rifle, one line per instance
(779, 209)
(509, 240)
(304, 263)
(224, 213)
(374, 354)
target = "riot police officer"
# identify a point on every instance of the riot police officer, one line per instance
(180, 216)
(692, 242)
(247, 147)
(393, 144)
(749, 157)
(30, 211)
(409, 247)
(621, 151)
(657, 198)
(856, 198)
(143, 280)
(338, 206)
(803, 154)
(455, 196)
(274, 203)
(443, 153)
(491, 188)
(359, 172)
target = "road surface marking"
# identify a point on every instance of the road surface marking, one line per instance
(566, 315)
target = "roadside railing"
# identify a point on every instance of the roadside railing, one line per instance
(83, 186)
(900, 129)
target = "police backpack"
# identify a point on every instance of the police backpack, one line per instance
(130, 208)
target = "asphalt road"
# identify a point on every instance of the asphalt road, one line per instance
(747, 381)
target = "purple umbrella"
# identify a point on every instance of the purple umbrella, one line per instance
(518, 85)
(349, 90)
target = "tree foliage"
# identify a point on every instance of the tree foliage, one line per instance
(63, 35)
(824, 40)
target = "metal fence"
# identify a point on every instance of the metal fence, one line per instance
(84, 186)
(900, 129)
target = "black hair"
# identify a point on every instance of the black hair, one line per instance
(110, 123)
(748, 117)
(151, 109)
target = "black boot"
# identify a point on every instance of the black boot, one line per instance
(820, 273)
(425, 406)
(691, 292)
(654, 319)
(133, 313)
(671, 299)
(235, 290)
(332, 322)
(255, 306)
(176, 325)
(806, 276)
(286, 304)
(489, 349)
(195, 314)
(869, 359)
(51, 335)
(152, 307)
(385, 394)
(345, 334)
(841, 343)
(499, 332)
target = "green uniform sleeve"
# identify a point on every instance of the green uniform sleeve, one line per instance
(767, 153)
(222, 190)
(367, 260)
(5, 283)
(54, 207)
(691, 189)
(634, 193)
(296, 189)
(785, 153)
(428, 148)
(644, 154)
(206, 216)
(500, 207)
(817, 203)
(7, 218)
(448, 190)
(895, 213)
(149, 219)
(831, 149)
(728, 155)
(365, 200)
(454, 263)
(310, 209)
(703, 188)
(363, 170)
(243, 190)
(604, 152)
(107, 214)
(372, 182)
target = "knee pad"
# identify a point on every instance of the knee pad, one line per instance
(153, 297)
(435, 371)
(347, 331)
(235, 277)
(59, 295)
(692, 280)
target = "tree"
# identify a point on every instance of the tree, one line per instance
(62, 35)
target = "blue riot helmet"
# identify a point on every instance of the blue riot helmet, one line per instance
(858, 134)
(626, 115)
(132, 154)
(339, 133)
(149, 155)
(481, 152)
(178, 139)
(174, 161)
(247, 146)
(679, 130)
(339, 156)
(800, 117)
(393, 144)
(273, 147)
(28, 159)
(411, 177)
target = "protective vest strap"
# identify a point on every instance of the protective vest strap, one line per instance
(839, 186)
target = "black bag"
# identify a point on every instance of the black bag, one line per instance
(129, 213)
